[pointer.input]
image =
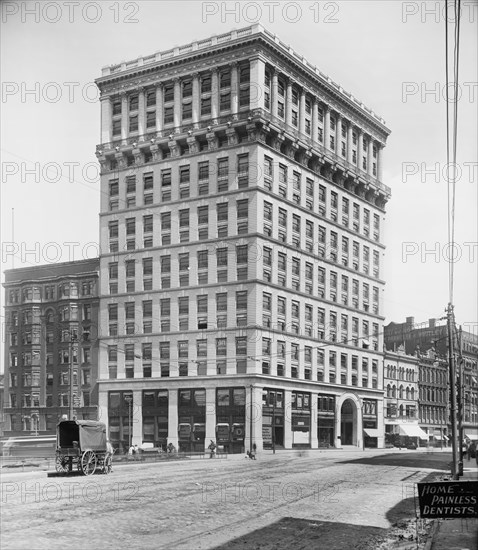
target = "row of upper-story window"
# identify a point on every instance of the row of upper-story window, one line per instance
(198, 273)
(221, 169)
(33, 316)
(63, 357)
(180, 218)
(178, 270)
(60, 400)
(294, 363)
(279, 307)
(183, 306)
(436, 395)
(407, 411)
(318, 198)
(178, 315)
(241, 366)
(319, 240)
(177, 226)
(284, 353)
(167, 89)
(33, 378)
(51, 292)
(400, 373)
(346, 253)
(273, 308)
(433, 376)
(470, 347)
(178, 182)
(401, 392)
(433, 415)
(338, 129)
(183, 101)
(50, 336)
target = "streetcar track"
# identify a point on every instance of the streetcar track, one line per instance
(175, 544)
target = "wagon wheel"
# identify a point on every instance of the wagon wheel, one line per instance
(62, 464)
(108, 464)
(88, 463)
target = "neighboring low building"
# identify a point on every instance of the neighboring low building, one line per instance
(51, 326)
(434, 397)
(400, 382)
(433, 335)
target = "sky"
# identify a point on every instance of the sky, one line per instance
(390, 55)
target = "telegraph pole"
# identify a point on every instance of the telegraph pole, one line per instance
(250, 421)
(460, 403)
(451, 365)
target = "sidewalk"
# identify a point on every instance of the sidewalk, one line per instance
(458, 534)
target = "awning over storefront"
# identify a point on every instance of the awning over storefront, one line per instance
(439, 437)
(372, 432)
(413, 431)
(473, 437)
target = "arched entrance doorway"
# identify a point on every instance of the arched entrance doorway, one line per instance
(348, 423)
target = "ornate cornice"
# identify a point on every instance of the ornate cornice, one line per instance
(252, 45)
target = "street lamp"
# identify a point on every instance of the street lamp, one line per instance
(129, 400)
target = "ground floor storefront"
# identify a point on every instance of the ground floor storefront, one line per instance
(437, 435)
(238, 413)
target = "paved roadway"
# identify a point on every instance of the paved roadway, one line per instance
(317, 499)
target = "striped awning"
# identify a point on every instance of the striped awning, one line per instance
(412, 430)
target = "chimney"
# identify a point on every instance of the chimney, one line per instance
(410, 322)
(431, 323)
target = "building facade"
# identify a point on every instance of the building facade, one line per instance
(434, 392)
(400, 381)
(433, 336)
(241, 234)
(51, 340)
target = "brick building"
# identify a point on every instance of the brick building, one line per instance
(430, 341)
(51, 331)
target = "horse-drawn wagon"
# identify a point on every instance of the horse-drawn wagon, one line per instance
(83, 444)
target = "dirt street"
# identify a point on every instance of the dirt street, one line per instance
(332, 500)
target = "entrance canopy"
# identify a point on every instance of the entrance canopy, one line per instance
(412, 430)
(372, 432)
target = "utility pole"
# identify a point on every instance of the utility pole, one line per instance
(250, 422)
(460, 403)
(274, 423)
(451, 366)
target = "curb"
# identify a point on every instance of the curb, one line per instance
(432, 535)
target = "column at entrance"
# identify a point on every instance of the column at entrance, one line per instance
(287, 419)
(137, 414)
(210, 417)
(173, 418)
(314, 439)
(103, 409)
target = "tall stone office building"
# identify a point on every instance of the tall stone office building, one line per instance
(241, 227)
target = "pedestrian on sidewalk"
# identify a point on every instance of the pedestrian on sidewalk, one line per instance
(471, 451)
(212, 449)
